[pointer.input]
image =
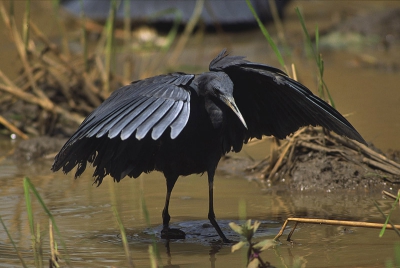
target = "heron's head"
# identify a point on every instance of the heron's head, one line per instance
(220, 86)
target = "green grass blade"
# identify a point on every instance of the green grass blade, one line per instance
(109, 43)
(155, 254)
(120, 225)
(30, 219)
(84, 42)
(13, 244)
(267, 36)
(173, 32)
(145, 211)
(25, 31)
(316, 38)
(39, 245)
(397, 254)
(153, 257)
(29, 205)
(308, 39)
(64, 39)
(128, 60)
(28, 185)
(322, 87)
(11, 12)
(123, 237)
(127, 20)
(394, 205)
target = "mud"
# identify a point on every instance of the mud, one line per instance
(319, 171)
(37, 148)
(315, 171)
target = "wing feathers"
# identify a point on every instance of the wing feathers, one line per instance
(274, 104)
(128, 117)
(144, 128)
(140, 118)
(156, 102)
(180, 121)
(106, 124)
(166, 121)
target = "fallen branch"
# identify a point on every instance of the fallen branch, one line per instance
(330, 222)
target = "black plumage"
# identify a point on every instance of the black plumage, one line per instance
(182, 124)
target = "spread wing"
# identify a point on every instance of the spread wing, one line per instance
(274, 104)
(152, 104)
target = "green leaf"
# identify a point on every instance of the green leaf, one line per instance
(254, 263)
(238, 246)
(248, 224)
(255, 226)
(263, 245)
(248, 230)
(237, 228)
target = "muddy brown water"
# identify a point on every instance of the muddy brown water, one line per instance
(87, 224)
(370, 97)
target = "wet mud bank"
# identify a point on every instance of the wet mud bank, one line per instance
(316, 171)
(314, 162)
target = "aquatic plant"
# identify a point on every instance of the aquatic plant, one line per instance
(246, 232)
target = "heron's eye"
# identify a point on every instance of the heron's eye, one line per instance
(215, 90)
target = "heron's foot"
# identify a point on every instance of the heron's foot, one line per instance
(171, 233)
(228, 241)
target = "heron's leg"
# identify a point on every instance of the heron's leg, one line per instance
(166, 231)
(211, 214)
(170, 185)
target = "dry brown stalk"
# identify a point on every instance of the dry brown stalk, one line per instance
(13, 128)
(14, 90)
(38, 75)
(55, 82)
(62, 85)
(65, 60)
(366, 150)
(392, 195)
(186, 32)
(44, 103)
(10, 24)
(291, 143)
(53, 261)
(305, 141)
(330, 222)
(383, 166)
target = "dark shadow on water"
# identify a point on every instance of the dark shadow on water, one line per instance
(200, 235)
(201, 232)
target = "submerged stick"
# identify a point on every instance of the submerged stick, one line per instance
(329, 222)
(389, 194)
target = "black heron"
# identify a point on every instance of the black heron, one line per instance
(182, 124)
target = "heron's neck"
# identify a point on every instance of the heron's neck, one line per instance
(215, 111)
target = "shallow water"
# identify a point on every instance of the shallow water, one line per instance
(84, 212)
(85, 218)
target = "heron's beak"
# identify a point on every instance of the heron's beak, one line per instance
(230, 101)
